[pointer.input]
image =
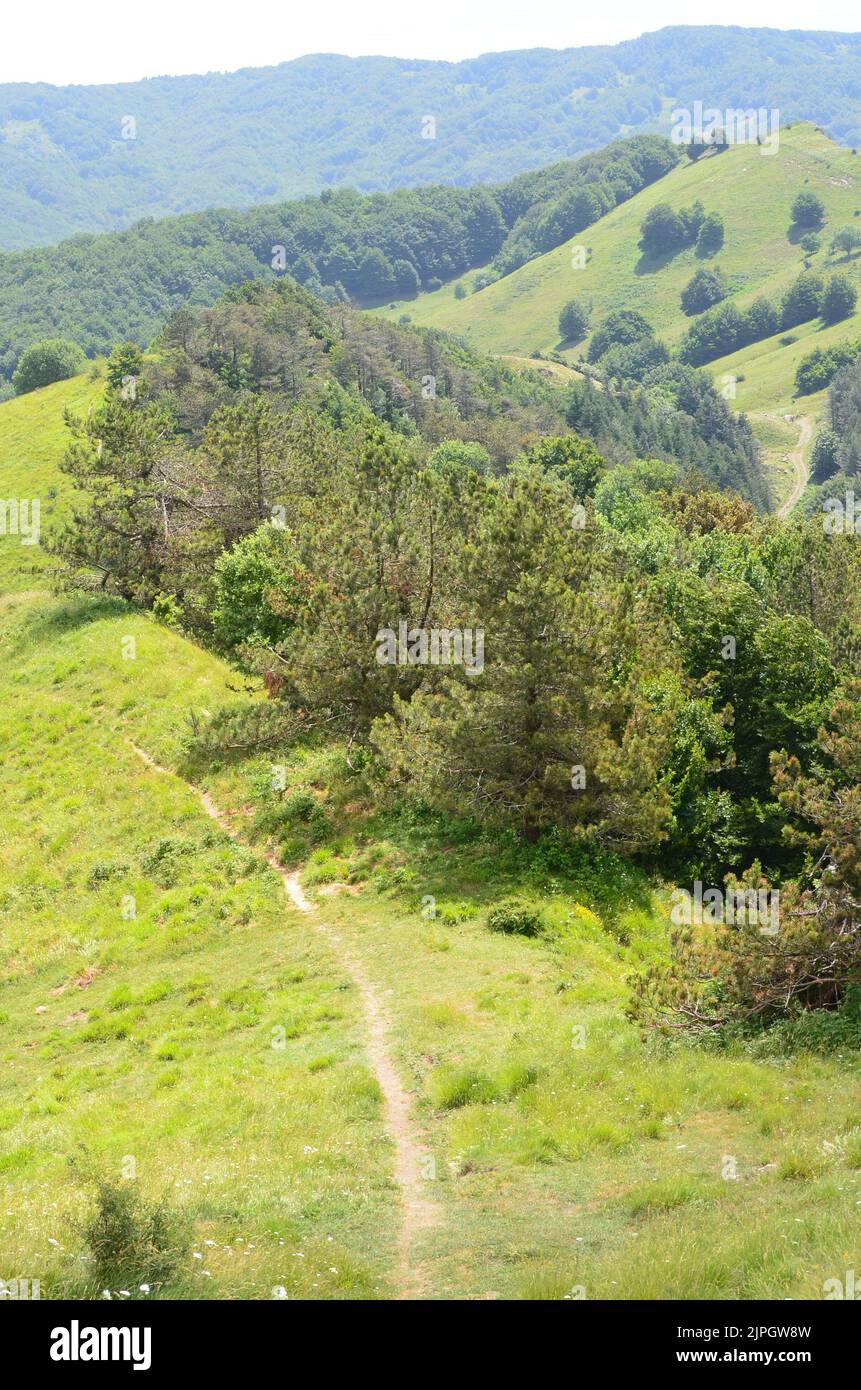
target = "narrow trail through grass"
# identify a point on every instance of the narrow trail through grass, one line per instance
(799, 467)
(418, 1213)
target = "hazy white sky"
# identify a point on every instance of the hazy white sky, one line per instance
(109, 41)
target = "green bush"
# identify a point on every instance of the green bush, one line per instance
(808, 210)
(514, 919)
(573, 320)
(820, 366)
(132, 1241)
(53, 359)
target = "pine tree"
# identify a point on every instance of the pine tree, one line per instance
(556, 730)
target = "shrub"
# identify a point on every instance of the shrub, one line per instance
(838, 299)
(573, 320)
(632, 361)
(820, 367)
(256, 590)
(733, 973)
(514, 919)
(802, 301)
(52, 359)
(808, 210)
(711, 235)
(124, 363)
(624, 326)
(718, 332)
(576, 460)
(662, 230)
(132, 1241)
(705, 288)
(845, 239)
(451, 1089)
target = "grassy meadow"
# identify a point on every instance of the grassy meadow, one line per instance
(518, 314)
(150, 963)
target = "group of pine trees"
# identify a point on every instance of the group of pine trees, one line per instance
(329, 503)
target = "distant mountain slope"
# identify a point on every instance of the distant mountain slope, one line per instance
(96, 289)
(67, 164)
(753, 194)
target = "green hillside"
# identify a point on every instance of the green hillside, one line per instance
(518, 314)
(32, 438)
(94, 158)
(558, 1155)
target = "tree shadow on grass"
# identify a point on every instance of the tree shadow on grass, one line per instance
(651, 264)
(70, 616)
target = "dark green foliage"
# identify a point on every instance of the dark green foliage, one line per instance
(802, 300)
(838, 299)
(808, 209)
(507, 744)
(704, 289)
(52, 359)
(256, 590)
(253, 404)
(823, 457)
(727, 328)
(124, 365)
(710, 237)
(846, 239)
(622, 327)
(131, 1241)
(820, 366)
(634, 361)
(844, 423)
(573, 459)
(515, 919)
(735, 973)
(573, 320)
(664, 231)
(700, 432)
(555, 204)
(340, 245)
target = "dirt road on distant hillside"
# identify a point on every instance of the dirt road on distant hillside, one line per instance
(799, 467)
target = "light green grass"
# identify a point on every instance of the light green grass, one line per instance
(152, 1035)
(557, 1165)
(32, 439)
(565, 1153)
(518, 314)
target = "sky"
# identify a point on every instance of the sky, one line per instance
(111, 41)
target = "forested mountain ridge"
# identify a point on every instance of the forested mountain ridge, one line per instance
(98, 158)
(281, 344)
(97, 289)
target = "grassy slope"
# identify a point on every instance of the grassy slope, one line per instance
(151, 1036)
(753, 193)
(555, 1165)
(32, 438)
